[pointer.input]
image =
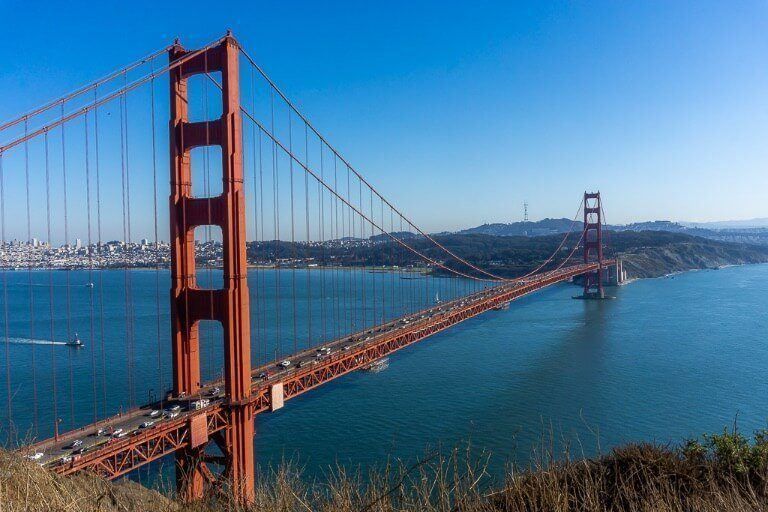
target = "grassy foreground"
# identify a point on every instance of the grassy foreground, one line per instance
(724, 472)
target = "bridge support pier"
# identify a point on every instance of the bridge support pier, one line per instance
(191, 304)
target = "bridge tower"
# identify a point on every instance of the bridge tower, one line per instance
(593, 245)
(191, 304)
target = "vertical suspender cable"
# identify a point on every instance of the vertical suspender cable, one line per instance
(306, 220)
(129, 245)
(160, 384)
(54, 404)
(257, 272)
(5, 304)
(67, 273)
(94, 377)
(276, 219)
(335, 237)
(392, 308)
(347, 292)
(364, 324)
(126, 278)
(293, 236)
(400, 264)
(31, 288)
(383, 279)
(352, 298)
(263, 242)
(373, 275)
(321, 228)
(99, 250)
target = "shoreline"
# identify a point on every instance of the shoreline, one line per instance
(370, 269)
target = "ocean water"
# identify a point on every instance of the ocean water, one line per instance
(668, 359)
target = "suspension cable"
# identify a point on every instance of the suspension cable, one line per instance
(108, 98)
(567, 234)
(82, 90)
(573, 251)
(324, 141)
(360, 213)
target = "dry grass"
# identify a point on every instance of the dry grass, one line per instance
(26, 487)
(724, 473)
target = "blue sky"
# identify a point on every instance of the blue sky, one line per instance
(459, 112)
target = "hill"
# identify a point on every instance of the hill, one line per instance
(646, 253)
(751, 232)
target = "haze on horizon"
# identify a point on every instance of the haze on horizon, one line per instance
(461, 113)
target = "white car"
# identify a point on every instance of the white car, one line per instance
(156, 413)
(285, 364)
(147, 424)
(117, 432)
(200, 404)
(35, 456)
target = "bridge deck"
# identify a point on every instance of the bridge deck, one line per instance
(111, 456)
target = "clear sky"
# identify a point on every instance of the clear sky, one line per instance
(460, 111)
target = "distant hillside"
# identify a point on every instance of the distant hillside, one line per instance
(749, 232)
(537, 228)
(647, 253)
(657, 253)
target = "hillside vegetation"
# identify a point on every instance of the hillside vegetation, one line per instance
(724, 473)
(646, 253)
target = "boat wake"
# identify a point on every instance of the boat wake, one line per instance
(29, 341)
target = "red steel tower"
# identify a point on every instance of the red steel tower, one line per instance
(191, 304)
(593, 245)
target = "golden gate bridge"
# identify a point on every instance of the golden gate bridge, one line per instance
(281, 181)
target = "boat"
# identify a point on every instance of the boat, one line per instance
(89, 285)
(437, 298)
(75, 342)
(377, 366)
